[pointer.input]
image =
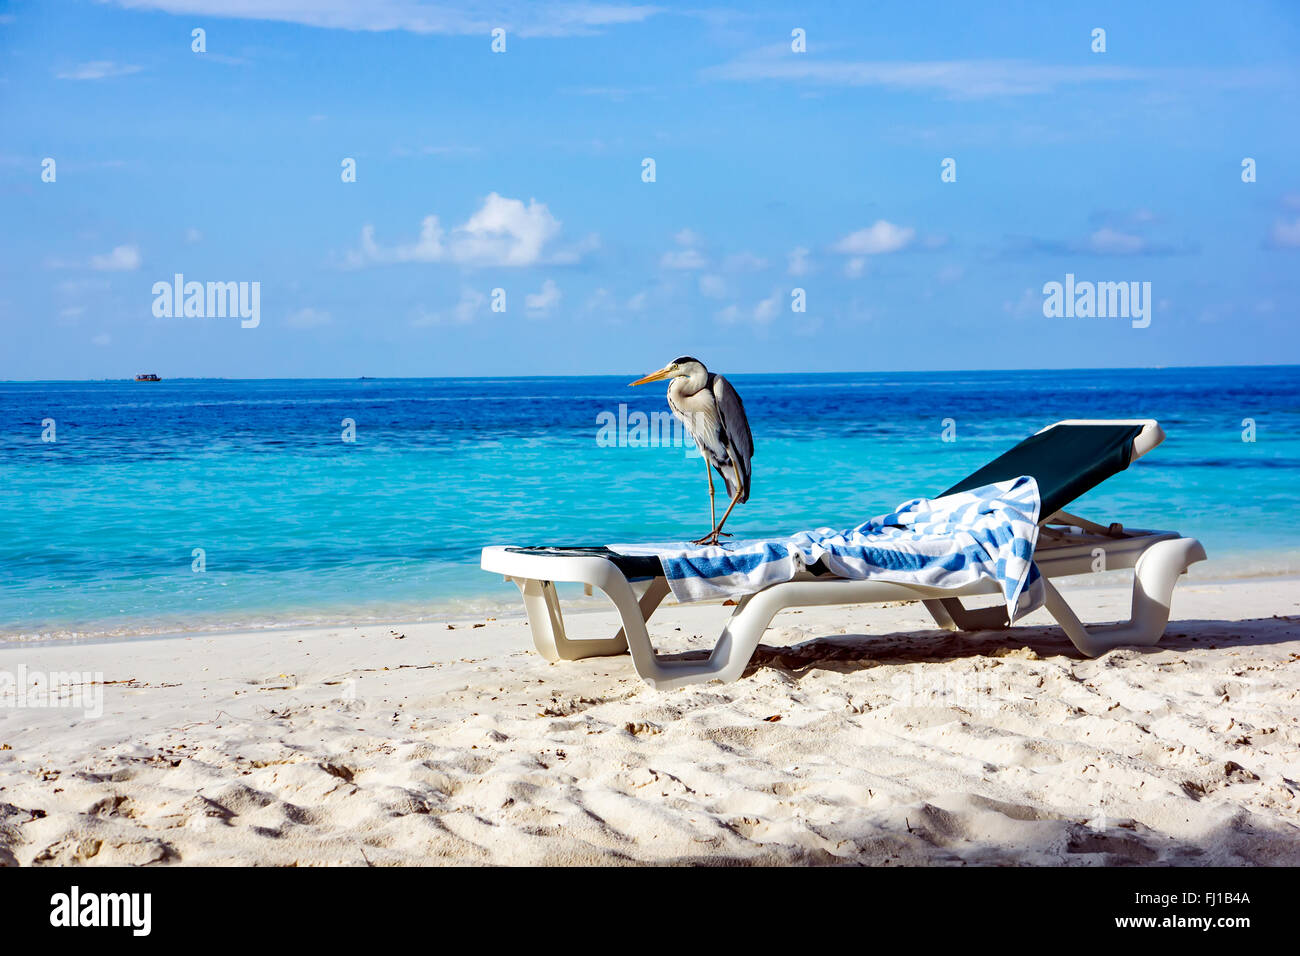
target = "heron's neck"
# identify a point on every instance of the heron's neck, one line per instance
(690, 384)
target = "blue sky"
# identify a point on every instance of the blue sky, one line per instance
(522, 171)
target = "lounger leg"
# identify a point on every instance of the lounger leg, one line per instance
(1154, 576)
(649, 603)
(940, 614)
(740, 638)
(951, 615)
(730, 655)
(546, 622)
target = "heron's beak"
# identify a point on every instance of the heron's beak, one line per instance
(653, 376)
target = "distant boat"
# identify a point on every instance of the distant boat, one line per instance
(147, 377)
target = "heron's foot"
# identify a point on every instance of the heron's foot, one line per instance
(712, 537)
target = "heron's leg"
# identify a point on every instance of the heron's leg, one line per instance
(713, 513)
(740, 489)
(735, 498)
(712, 536)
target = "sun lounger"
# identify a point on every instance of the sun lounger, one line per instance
(1066, 459)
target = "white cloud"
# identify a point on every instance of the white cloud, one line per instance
(1108, 241)
(307, 318)
(503, 232)
(855, 267)
(1286, 233)
(419, 16)
(121, 259)
(98, 70)
(970, 79)
(1029, 304)
(767, 310)
(599, 301)
(761, 314)
(951, 273)
(506, 232)
(637, 302)
(879, 238)
(798, 261)
(683, 259)
(73, 287)
(192, 235)
(712, 286)
(543, 302)
(575, 252)
(102, 339)
(428, 248)
(465, 310)
(744, 262)
(687, 257)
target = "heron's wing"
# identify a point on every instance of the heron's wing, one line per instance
(698, 412)
(735, 427)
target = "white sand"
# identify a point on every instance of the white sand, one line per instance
(907, 745)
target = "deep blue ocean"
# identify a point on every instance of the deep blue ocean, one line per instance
(99, 527)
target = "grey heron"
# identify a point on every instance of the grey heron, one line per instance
(714, 415)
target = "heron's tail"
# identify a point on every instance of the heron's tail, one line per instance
(730, 480)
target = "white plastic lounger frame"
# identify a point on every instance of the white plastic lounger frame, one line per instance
(1157, 559)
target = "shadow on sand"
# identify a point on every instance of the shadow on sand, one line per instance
(861, 651)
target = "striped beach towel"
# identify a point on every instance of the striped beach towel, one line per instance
(949, 542)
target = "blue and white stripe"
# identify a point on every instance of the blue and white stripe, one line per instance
(950, 542)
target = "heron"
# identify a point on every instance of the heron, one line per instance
(713, 414)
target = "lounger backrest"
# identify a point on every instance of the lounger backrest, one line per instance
(1066, 460)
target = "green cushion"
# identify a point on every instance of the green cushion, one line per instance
(1066, 460)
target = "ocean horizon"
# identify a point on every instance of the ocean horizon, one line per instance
(194, 505)
(501, 377)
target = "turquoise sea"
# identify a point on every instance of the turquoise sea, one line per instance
(214, 504)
